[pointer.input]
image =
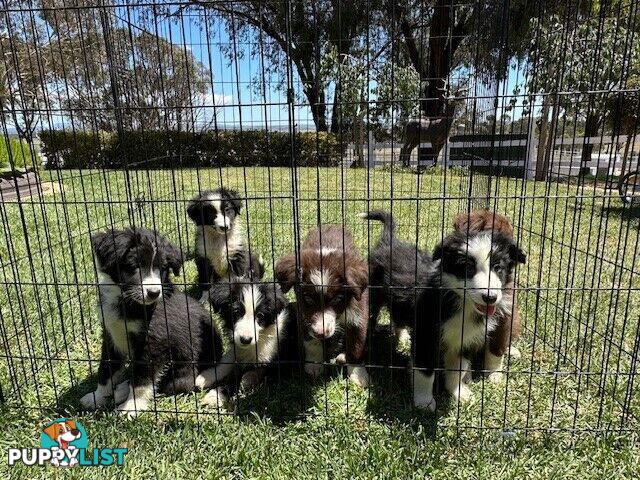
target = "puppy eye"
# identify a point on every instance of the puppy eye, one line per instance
(498, 268)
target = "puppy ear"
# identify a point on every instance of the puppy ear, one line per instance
(357, 277)
(175, 259)
(235, 201)
(220, 296)
(194, 210)
(285, 272)
(281, 300)
(103, 245)
(517, 254)
(173, 255)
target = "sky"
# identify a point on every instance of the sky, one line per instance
(239, 103)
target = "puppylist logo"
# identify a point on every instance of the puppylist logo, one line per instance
(64, 443)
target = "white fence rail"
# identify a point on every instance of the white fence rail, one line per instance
(517, 153)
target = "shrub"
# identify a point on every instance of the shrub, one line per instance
(162, 149)
(68, 149)
(20, 153)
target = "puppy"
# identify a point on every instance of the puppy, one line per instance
(168, 338)
(483, 220)
(452, 299)
(263, 331)
(331, 292)
(508, 329)
(221, 249)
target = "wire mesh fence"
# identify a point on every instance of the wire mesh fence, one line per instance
(313, 112)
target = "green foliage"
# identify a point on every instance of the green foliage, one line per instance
(21, 154)
(589, 57)
(73, 150)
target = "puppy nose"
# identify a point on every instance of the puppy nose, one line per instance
(489, 299)
(224, 228)
(153, 294)
(245, 340)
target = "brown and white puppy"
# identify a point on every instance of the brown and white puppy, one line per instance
(332, 293)
(507, 330)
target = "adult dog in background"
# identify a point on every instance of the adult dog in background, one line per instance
(451, 299)
(332, 294)
(221, 247)
(167, 337)
(500, 340)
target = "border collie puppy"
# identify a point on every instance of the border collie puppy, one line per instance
(331, 292)
(508, 329)
(168, 338)
(452, 300)
(221, 249)
(263, 331)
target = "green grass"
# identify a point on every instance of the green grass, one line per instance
(21, 155)
(572, 387)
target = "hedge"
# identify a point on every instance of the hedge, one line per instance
(20, 153)
(161, 149)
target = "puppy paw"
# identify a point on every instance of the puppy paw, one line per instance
(462, 394)
(203, 380)
(425, 402)
(250, 381)
(216, 398)
(128, 410)
(495, 377)
(515, 353)
(341, 359)
(404, 338)
(313, 369)
(92, 401)
(358, 375)
(204, 299)
(121, 393)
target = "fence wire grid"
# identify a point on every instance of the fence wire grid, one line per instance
(116, 114)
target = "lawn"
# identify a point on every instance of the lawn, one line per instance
(569, 408)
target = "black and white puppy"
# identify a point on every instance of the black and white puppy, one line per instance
(451, 300)
(221, 247)
(167, 337)
(263, 331)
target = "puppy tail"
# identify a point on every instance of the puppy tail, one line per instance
(387, 220)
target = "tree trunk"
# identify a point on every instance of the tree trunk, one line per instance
(318, 107)
(541, 160)
(439, 58)
(336, 116)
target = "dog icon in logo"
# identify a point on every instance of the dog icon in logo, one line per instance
(63, 432)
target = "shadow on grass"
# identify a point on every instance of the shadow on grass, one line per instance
(623, 212)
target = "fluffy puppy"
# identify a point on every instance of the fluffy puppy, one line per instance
(331, 292)
(508, 328)
(452, 299)
(167, 337)
(221, 248)
(263, 331)
(483, 220)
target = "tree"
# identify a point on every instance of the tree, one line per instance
(438, 37)
(299, 31)
(590, 56)
(116, 77)
(23, 70)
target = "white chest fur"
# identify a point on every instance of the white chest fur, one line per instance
(267, 346)
(218, 247)
(463, 330)
(118, 328)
